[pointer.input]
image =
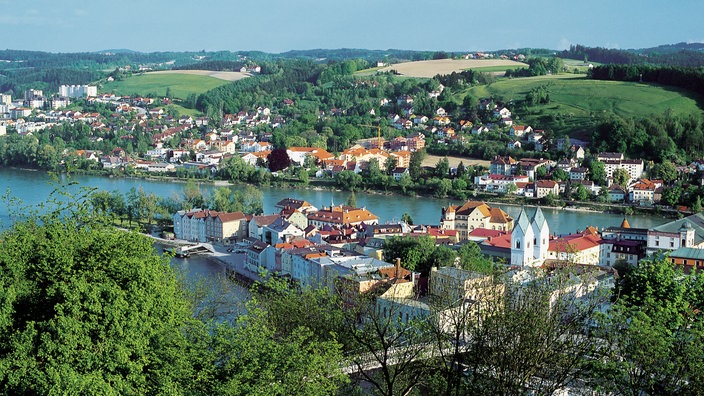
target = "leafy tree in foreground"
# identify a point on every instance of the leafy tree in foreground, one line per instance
(88, 309)
(654, 333)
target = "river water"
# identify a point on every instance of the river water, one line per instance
(24, 191)
(35, 189)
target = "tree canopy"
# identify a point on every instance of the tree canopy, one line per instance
(88, 309)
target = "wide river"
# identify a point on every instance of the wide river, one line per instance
(35, 188)
(28, 190)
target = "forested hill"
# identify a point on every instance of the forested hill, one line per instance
(370, 55)
(681, 54)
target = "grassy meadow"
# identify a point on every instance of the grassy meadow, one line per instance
(181, 85)
(575, 101)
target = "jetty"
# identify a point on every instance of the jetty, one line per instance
(187, 250)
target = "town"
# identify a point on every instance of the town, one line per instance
(139, 136)
(423, 294)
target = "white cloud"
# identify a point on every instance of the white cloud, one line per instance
(564, 44)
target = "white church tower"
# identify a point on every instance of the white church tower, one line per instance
(522, 238)
(541, 233)
(530, 240)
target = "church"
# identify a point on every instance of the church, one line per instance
(530, 240)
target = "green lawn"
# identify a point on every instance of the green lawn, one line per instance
(184, 111)
(575, 101)
(181, 85)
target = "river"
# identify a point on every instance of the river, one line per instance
(35, 189)
(24, 191)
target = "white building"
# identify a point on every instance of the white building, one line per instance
(530, 240)
(78, 91)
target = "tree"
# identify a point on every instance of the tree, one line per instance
(671, 195)
(390, 164)
(540, 172)
(390, 341)
(278, 159)
(621, 177)
(303, 175)
(528, 338)
(405, 182)
(597, 172)
(415, 164)
(89, 308)
(406, 218)
(461, 170)
(581, 193)
(147, 205)
(348, 180)
(192, 196)
(442, 168)
(352, 200)
(416, 254)
(286, 343)
(653, 335)
(666, 170)
(472, 259)
(246, 198)
(442, 187)
(560, 175)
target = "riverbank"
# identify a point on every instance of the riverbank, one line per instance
(329, 185)
(35, 189)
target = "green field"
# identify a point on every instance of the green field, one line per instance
(582, 67)
(181, 85)
(575, 101)
(184, 110)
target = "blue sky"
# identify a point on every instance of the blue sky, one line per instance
(282, 25)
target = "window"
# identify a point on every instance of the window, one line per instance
(518, 244)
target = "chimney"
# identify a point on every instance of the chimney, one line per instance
(398, 267)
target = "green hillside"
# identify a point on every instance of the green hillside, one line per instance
(576, 101)
(181, 85)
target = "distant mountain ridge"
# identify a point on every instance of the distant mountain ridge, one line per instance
(669, 48)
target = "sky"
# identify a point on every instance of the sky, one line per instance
(277, 26)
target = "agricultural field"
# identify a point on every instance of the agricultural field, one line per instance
(181, 82)
(575, 101)
(431, 68)
(432, 160)
(580, 65)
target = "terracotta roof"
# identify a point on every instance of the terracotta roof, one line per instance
(230, 216)
(574, 243)
(485, 232)
(469, 206)
(265, 219)
(499, 216)
(343, 215)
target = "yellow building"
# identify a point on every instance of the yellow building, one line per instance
(472, 215)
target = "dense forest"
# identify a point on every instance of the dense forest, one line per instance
(686, 55)
(691, 79)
